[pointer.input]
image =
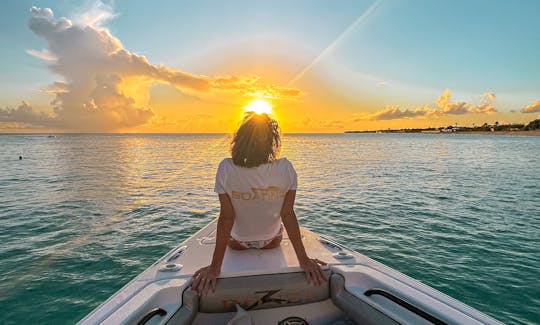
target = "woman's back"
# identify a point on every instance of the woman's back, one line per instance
(257, 195)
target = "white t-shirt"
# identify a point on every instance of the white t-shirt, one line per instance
(257, 195)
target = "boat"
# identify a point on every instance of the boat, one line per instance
(268, 287)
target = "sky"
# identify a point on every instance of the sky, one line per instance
(323, 66)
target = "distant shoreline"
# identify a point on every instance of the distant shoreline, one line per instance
(525, 133)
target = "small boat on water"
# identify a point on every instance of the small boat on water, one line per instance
(268, 287)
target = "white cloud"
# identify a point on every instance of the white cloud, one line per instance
(532, 108)
(95, 14)
(490, 96)
(444, 106)
(394, 112)
(43, 54)
(486, 104)
(96, 67)
(453, 108)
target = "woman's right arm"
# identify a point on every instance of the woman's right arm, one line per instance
(205, 278)
(224, 227)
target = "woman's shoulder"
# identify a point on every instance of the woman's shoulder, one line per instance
(283, 163)
(285, 168)
(282, 160)
(280, 163)
(225, 163)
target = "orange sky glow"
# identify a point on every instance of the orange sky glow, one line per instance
(356, 72)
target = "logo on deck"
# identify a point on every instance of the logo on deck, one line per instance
(276, 296)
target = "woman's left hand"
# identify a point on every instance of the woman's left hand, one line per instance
(205, 279)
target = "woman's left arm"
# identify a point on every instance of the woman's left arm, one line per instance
(205, 278)
(311, 266)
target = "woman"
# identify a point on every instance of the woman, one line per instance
(256, 192)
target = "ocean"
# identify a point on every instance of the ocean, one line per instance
(82, 214)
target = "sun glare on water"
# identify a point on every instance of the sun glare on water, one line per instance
(259, 106)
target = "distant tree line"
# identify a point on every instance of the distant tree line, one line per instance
(533, 125)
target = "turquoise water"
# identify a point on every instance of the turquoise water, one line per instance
(81, 215)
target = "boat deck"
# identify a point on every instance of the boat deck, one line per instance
(198, 250)
(357, 283)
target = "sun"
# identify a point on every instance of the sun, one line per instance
(259, 106)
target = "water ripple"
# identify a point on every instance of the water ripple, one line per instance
(83, 214)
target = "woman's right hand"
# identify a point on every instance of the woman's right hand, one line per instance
(314, 273)
(205, 279)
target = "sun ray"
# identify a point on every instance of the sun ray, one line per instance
(335, 43)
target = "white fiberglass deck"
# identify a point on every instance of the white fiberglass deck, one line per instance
(162, 284)
(197, 252)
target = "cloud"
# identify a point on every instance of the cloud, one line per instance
(309, 122)
(447, 107)
(55, 88)
(490, 96)
(43, 54)
(195, 120)
(532, 108)
(331, 124)
(486, 104)
(97, 69)
(95, 14)
(382, 83)
(25, 114)
(394, 112)
(444, 106)
(274, 92)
